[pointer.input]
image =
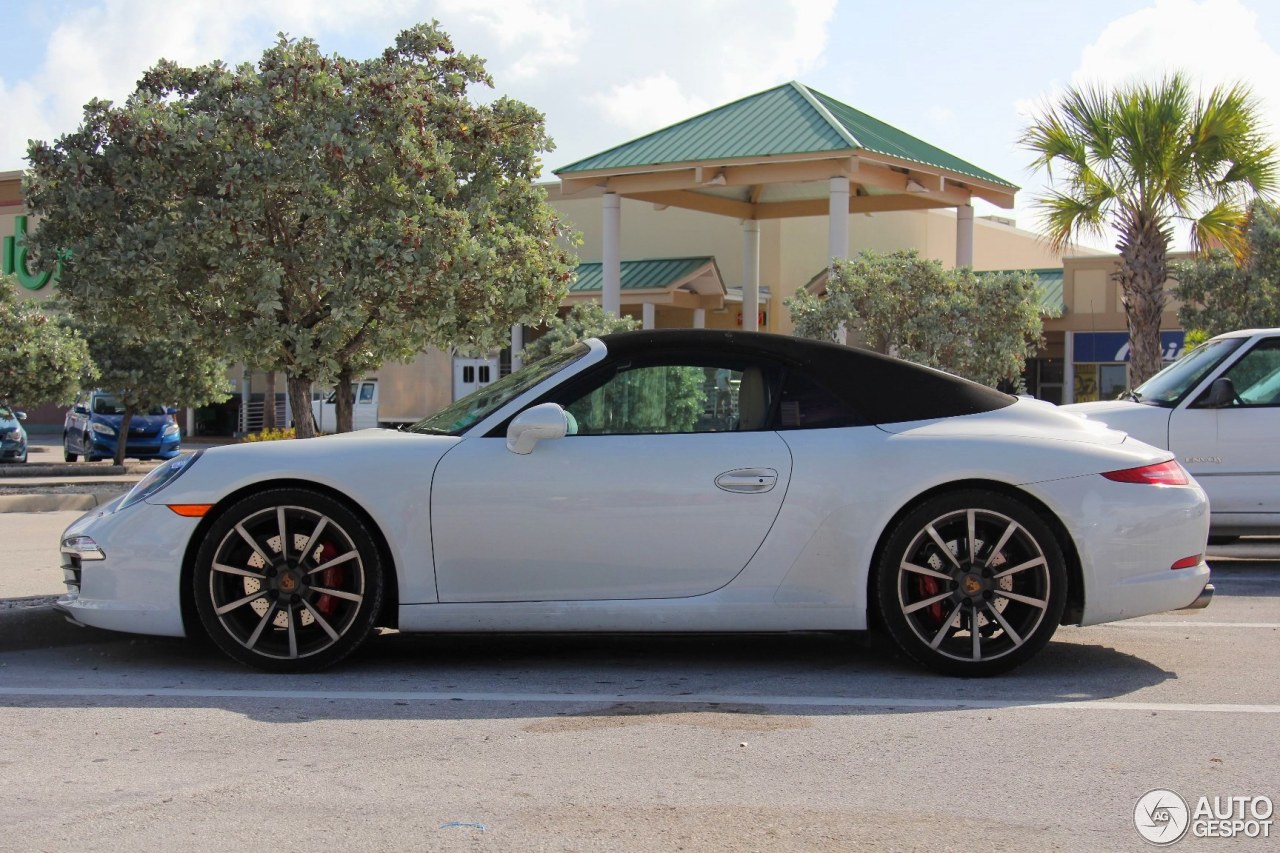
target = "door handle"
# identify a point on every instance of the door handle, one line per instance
(747, 480)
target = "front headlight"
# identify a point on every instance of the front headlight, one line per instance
(170, 429)
(160, 476)
(13, 435)
(102, 429)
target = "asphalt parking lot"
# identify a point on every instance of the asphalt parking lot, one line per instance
(798, 742)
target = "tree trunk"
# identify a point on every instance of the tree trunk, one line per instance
(299, 389)
(344, 401)
(122, 438)
(269, 402)
(1141, 276)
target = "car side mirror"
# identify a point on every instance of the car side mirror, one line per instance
(81, 409)
(541, 423)
(1222, 393)
(22, 416)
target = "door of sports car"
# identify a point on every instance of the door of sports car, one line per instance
(667, 489)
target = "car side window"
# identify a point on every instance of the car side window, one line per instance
(804, 404)
(366, 392)
(1256, 376)
(677, 398)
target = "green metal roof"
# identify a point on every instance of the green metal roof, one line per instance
(653, 274)
(1048, 293)
(1048, 289)
(788, 119)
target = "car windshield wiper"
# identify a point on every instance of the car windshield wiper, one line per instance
(1130, 394)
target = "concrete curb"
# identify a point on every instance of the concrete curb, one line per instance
(52, 502)
(74, 470)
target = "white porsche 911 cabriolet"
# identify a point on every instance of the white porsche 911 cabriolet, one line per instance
(687, 481)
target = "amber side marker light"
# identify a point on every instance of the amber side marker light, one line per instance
(190, 510)
(1161, 474)
(1188, 562)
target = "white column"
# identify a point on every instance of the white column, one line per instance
(964, 236)
(517, 347)
(648, 314)
(244, 402)
(1069, 368)
(699, 318)
(751, 275)
(191, 422)
(611, 298)
(838, 219)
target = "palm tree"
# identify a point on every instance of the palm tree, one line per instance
(1142, 160)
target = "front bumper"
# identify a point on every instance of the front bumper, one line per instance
(136, 586)
(13, 451)
(138, 448)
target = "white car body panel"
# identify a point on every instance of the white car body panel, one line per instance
(604, 516)
(1233, 452)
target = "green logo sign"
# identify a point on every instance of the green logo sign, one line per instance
(15, 259)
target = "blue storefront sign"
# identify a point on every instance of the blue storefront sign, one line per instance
(1108, 347)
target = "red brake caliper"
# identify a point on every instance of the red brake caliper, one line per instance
(329, 578)
(929, 587)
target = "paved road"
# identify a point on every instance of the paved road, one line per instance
(636, 743)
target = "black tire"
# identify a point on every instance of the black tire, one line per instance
(67, 455)
(933, 585)
(88, 449)
(294, 602)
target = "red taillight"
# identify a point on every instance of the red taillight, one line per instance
(1162, 474)
(1188, 562)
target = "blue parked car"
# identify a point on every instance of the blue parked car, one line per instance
(92, 429)
(13, 438)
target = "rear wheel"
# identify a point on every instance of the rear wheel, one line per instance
(971, 583)
(288, 580)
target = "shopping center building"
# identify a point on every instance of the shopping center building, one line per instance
(715, 221)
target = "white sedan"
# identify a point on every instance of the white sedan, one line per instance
(1218, 410)
(662, 481)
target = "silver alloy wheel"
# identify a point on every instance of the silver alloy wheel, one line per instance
(287, 582)
(974, 585)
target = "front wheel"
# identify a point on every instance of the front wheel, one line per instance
(971, 583)
(67, 455)
(288, 580)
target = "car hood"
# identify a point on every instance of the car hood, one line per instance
(1143, 422)
(136, 420)
(1025, 418)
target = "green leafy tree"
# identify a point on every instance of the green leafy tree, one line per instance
(1140, 160)
(982, 326)
(41, 359)
(311, 214)
(153, 373)
(1220, 293)
(582, 321)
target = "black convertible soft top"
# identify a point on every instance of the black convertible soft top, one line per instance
(880, 388)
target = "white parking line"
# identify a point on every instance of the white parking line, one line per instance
(1191, 623)
(885, 702)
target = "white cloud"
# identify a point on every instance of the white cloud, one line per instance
(533, 36)
(710, 52)
(648, 104)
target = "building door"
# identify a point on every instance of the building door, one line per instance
(470, 374)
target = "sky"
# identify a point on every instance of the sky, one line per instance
(964, 75)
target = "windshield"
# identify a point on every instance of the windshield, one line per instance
(478, 405)
(1173, 383)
